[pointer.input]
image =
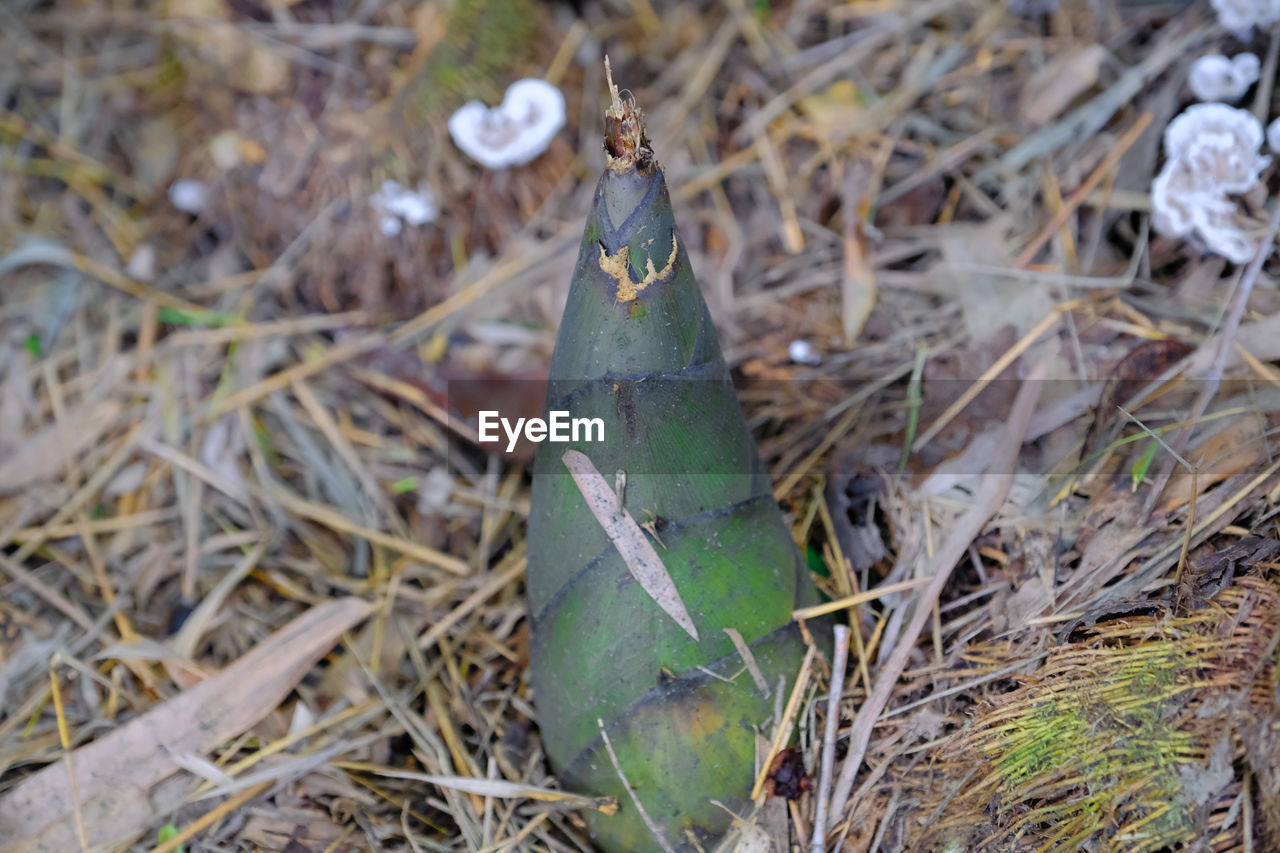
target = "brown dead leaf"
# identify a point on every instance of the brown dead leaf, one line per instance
(345, 677)
(1032, 598)
(641, 559)
(270, 832)
(44, 454)
(1052, 89)
(833, 107)
(248, 64)
(1139, 366)
(1113, 526)
(858, 282)
(153, 150)
(114, 775)
(967, 246)
(1234, 449)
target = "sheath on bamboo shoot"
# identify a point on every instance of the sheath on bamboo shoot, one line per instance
(637, 349)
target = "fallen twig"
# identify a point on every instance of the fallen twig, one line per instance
(829, 738)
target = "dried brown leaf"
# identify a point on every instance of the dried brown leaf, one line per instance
(44, 454)
(641, 559)
(1237, 448)
(114, 774)
(1052, 89)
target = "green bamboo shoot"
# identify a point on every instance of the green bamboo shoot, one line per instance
(681, 707)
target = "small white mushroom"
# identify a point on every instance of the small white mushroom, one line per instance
(1273, 136)
(1248, 66)
(189, 196)
(1236, 16)
(802, 352)
(142, 263)
(397, 205)
(1216, 78)
(1239, 17)
(515, 133)
(1212, 154)
(415, 208)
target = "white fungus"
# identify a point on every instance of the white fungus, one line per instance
(802, 352)
(142, 263)
(514, 133)
(1209, 217)
(1273, 136)
(1220, 145)
(1212, 152)
(1248, 66)
(397, 206)
(1216, 78)
(188, 196)
(1239, 17)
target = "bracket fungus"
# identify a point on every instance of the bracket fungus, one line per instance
(514, 133)
(1213, 154)
(1239, 17)
(1217, 78)
(397, 205)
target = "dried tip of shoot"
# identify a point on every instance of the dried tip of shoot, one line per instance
(624, 138)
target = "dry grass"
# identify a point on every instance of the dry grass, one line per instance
(212, 424)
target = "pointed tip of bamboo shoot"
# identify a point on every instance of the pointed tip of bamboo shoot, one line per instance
(624, 137)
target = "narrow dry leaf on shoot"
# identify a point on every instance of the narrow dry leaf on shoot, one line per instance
(749, 659)
(629, 540)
